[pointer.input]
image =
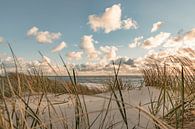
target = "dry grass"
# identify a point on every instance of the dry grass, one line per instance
(175, 78)
(36, 84)
(175, 100)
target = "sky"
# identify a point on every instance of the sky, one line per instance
(94, 31)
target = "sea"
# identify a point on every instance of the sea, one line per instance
(134, 80)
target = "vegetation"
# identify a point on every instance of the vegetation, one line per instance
(176, 82)
(173, 107)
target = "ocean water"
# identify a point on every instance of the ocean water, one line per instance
(133, 80)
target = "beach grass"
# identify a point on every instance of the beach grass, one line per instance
(172, 108)
(176, 82)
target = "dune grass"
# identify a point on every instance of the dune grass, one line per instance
(170, 110)
(176, 82)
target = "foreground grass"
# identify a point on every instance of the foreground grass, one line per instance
(18, 111)
(171, 108)
(176, 82)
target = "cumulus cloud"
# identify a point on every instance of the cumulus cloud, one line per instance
(87, 44)
(124, 60)
(155, 41)
(175, 41)
(119, 60)
(190, 35)
(74, 55)
(107, 69)
(89, 68)
(153, 56)
(129, 24)
(109, 54)
(156, 26)
(59, 47)
(24, 65)
(136, 42)
(109, 51)
(1, 39)
(185, 40)
(165, 56)
(43, 36)
(110, 20)
(33, 31)
(189, 38)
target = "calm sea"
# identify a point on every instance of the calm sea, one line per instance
(134, 80)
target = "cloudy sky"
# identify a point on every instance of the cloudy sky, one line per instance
(92, 33)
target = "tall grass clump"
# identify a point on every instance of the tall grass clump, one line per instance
(175, 77)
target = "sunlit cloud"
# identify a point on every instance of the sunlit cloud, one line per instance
(136, 42)
(153, 56)
(156, 26)
(43, 36)
(109, 52)
(110, 20)
(189, 38)
(124, 60)
(127, 66)
(129, 24)
(33, 31)
(59, 47)
(74, 55)
(185, 40)
(164, 56)
(175, 41)
(24, 65)
(87, 44)
(155, 41)
(88, 68)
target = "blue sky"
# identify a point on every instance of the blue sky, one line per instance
(70, 18)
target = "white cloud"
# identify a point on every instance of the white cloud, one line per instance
(47, 37)
(155, 41)
(124, 60)
(106, 68)
(190, 35)
(59, 47)
(74, 55)
(151, 57)
(189, 38)
(24, 65)
(1, 39)
(87, 44)
(185, 40)
(33, 31)
(136, 42)
(89, 68)
(119, 60)
(43, 36)
(165, 56)
(110, 20)
(174, 42)
(129, 24)
(156, 26)
(109, 51)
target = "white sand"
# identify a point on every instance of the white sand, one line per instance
(63, 107)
